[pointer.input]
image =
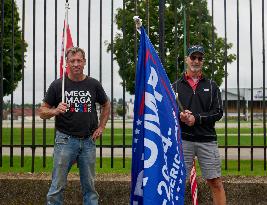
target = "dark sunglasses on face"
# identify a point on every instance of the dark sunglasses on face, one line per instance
(192, 58)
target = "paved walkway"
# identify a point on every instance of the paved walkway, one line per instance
(119, 124)
(232, 153)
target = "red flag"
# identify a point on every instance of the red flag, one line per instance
(69, 44)
(193, 183)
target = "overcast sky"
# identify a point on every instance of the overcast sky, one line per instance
(244, 41)
(245, 60)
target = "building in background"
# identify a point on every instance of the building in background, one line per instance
(250, 100)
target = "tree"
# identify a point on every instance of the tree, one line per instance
(20, 47)
(199, 32)
(119, 110)
(6, 105)
(120, 101)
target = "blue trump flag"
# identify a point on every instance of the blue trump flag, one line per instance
(158, 170)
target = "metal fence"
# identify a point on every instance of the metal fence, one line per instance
(93, 22)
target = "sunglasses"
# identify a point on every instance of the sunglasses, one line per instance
(192, 58)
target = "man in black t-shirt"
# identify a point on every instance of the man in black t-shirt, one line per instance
(77, 126)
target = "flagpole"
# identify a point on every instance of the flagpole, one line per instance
(185, 43)
(65, 47)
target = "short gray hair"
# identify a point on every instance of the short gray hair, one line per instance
(74, 50)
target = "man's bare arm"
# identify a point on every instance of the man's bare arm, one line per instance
(46, 111)
(104, 114)
(105, 111)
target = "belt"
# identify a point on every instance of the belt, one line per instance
(74, 136)
(81, 137)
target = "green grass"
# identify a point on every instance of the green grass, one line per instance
(118, 166)
(106, 139)
(245, 138)
(243, 130)
(245, 168)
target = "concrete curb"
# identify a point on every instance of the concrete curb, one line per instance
(31, 189)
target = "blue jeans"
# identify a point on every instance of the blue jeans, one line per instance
(68, 149)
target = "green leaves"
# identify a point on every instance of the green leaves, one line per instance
(8, 59)
(199, 31)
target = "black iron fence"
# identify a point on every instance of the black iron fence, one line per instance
(98, 26)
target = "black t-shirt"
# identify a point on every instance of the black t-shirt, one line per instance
(81, 116)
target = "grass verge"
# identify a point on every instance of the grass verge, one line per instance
(47, 137)
(232, 166)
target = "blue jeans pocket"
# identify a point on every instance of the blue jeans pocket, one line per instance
(92, 141)
(62, 138)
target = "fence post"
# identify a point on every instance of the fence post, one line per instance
(161, 31)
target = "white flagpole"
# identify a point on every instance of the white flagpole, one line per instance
(65, 47)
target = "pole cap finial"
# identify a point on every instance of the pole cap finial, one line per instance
(137, 21)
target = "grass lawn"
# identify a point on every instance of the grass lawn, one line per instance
(245, 138)
(106, 165)
(118, 166)
(106, 139)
